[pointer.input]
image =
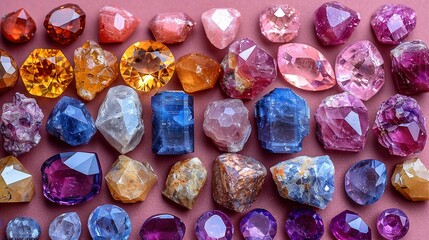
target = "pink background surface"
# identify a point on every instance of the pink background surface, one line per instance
(45, 211)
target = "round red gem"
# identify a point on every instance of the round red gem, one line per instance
(18, 26)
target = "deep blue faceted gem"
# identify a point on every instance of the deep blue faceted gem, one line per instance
(71, 122)
(172, 123)
(283, 120)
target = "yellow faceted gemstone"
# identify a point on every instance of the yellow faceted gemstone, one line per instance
(46, 73)
(16, 183)
(129, 180)
(147, 65)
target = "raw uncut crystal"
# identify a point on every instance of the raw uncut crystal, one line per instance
(304, 223)
(411, 179)
(306, 180)
(185, 182)
(16, 183)
(21, 228)
(109, 222)
(170, 28)
(349, 225)
(66, 226)
(8, 70)
(163, 226)
(221, 25)
(214, 225)
(393, 224)
(115, 24)
(18, 26)
(258, 224)
(120, 119)
(65, 23)
(280, 23)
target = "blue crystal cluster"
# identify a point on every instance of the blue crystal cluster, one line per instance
(172, 123)
(109, 222)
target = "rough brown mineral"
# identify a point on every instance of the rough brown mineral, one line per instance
(411, 179)
(16, 183)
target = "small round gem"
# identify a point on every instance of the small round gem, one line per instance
(304, 223)
(258, 224)
(23, 228)
(66, 226)
(349, 225)
(214, 225)
(65, 23)
(163, 226)
(18, 26)
(280, 23)
(393, 224)
(109, 222)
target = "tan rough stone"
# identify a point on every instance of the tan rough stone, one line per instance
(411, 179)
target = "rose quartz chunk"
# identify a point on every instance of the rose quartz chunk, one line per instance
(115, 24)
(280, 23)
(171, 28)
(221, 25)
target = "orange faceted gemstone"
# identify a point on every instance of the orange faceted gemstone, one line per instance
(8, 70)
(65, 23)
(115, 24)
(18, 26)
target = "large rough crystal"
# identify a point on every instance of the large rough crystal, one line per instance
(306, 180)
(120, 118)
(21, 228)
(411, 179)
(65, 23)
(66, 226)
(18, 26)
(237, 181)
(171, 28)
(221, 25)
(109, 222)
(16, 183)
(279, 23)
(115, 24)
(8, 70)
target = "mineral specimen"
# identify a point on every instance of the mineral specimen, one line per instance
(65, 23)
(221, 25)
(115, 24)
(411, 179)
(16, 183)
(170, 28)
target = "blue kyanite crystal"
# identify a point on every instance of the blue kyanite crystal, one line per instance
(109, 222)
(23, 228)
(172, 123)
(306, 180)
(71, 122)
(283, 120)
(365, 181)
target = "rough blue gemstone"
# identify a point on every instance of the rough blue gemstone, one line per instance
(283, 120)
(109, 222)
(172, 123)
(23, 228)
(71, 122)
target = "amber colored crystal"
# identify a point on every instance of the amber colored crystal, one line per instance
(8, 70)
(411, 179)
(18, 26)
(16, 183)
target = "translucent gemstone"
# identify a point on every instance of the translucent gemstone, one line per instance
(170, 28)
(18, 26)
(349, 225)
(8, 70)
(185, 182)
(400, 126)
(214, 225)
(65, 23)
(109, 222)
(279, 23)
(393, 224)
(23, 228)
(16, 183)
(71, 178)
(237, 181)
(342, 123)
(120, 118)
(226, 123)
(392, 23)
(95, 69)
(46, 73)
(283, 120)
(147, 65)
(304, 223)
(66, 226)
(305, 67)
(411, 179)
(247, 70)
(306, 180)
(115, 24)
(163, 226)
(129, 180)
(221, 25)
(359, 69)
(258, 224)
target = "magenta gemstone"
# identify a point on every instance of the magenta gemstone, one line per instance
(214, 225)
(258, 224)
(304, 223)
(349, 225)
(393, 224)
(71, 178)
(163, 226)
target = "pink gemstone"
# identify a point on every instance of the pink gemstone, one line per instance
(171, 28)
(221, 25)
(305, 67)
(280, 23)
(115, 24)
(359, 69)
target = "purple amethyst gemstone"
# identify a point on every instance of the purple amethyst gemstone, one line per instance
(258, 224)
(393, 224)
(163, 226)
(304, 223)
(349, 226)
(214, 225)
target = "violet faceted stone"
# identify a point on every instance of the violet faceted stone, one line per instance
(392, 23)
(400, 126)
(304, 223)
(71, 178)
(349, 225)
(163, 226)
(393, 224)
(214, 225)
(258, 224)
(334, 23)
(23, 228)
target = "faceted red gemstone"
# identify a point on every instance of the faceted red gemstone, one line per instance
(115, 24)
(18, 26)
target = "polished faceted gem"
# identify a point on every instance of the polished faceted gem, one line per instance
(115, 24)
(23, 228)
(21, 121)
(306, 180)
(185, 182)
(163, 226)
(66, 226)
(46, 73)
(359, 69)
(304, 223)
(8, 70)
(247, 70)
(393, 224)
(129, 180)
(71, 178)
(221, 25)
(197, 72)
(18, 26)
(283, 120)
(349, 225)
(411, 179)
(410, 69)
(120, 118)
(109, 222)
(214, 225)
(170, 28)
(279, 23)
(258, 224)
(172, 123)
(342, 123)
(226, 123)
(95, 69)
(16, 183)
(65, 23)
(147, 65)
(400, 126)
(365, 181)
(305, 67)
(392, 23)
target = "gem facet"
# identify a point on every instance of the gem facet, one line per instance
(23, 228)
(115, 24)
(411, 179)
(304, 223)
(18, 26)
(170, 28)
(393, 224)
(214, 225)
(258, 224)
(109, 222)
(163, 226)
(8, 70)
(16, 183)
(279, 23)
(65, 23)
(349, 225)
(66, 226)
(221, 25)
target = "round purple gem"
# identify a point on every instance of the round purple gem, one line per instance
(214, 225)
(393, 224)
(163, 226)
(304, 223)
(258, 224)
(349, 226)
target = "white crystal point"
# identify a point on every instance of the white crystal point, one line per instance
(120, 118)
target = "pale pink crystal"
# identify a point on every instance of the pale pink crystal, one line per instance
(280, 23)
(221, 25)
(115, 25)
(171, 28)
